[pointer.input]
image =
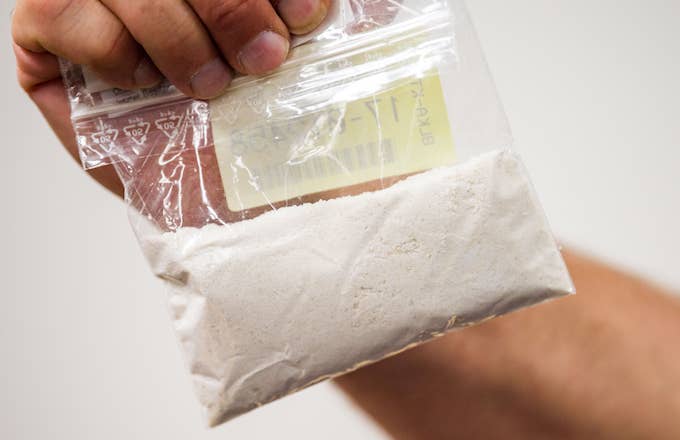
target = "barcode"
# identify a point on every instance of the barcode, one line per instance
(339, 162)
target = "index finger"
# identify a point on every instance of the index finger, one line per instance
(249, 33)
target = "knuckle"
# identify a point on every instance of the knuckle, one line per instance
(181, 38)
(226, 13)
(18, 30)
(109, 52)
(47, 11)
(25, 18)
(38, 19)
(27, 82)
(23, 80)
(141, 10)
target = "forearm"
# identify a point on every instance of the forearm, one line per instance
(600, 364)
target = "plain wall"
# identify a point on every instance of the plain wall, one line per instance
(592, 91)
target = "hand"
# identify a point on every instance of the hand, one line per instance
(196, 44)
(193, 43)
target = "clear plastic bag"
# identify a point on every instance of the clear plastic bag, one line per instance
(275, 216)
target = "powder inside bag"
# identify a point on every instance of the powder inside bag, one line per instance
(267, 306)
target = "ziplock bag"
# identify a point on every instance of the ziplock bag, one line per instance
(357, 201)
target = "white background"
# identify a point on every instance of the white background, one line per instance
(592, 90)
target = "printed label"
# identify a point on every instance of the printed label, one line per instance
(264, 160)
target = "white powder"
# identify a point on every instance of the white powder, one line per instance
(270, 305)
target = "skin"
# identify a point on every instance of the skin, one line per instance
(601, 364)
(193, 43)
(196, 44)
(598, 365)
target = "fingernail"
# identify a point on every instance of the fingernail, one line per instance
(264, 53)
(211, 80)
(302, 16)
(146, 74)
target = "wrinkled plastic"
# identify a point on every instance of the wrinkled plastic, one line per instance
(298, 112)
(385, 90)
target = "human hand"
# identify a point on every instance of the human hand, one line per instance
(196, 44)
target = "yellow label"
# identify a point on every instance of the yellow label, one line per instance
(266, 158)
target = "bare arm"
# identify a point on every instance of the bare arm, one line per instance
(604, 363)
(601, 364)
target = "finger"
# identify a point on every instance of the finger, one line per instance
(249, 33)
(34, 68)
(302, 16)
(178, 44)
(84, 32)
